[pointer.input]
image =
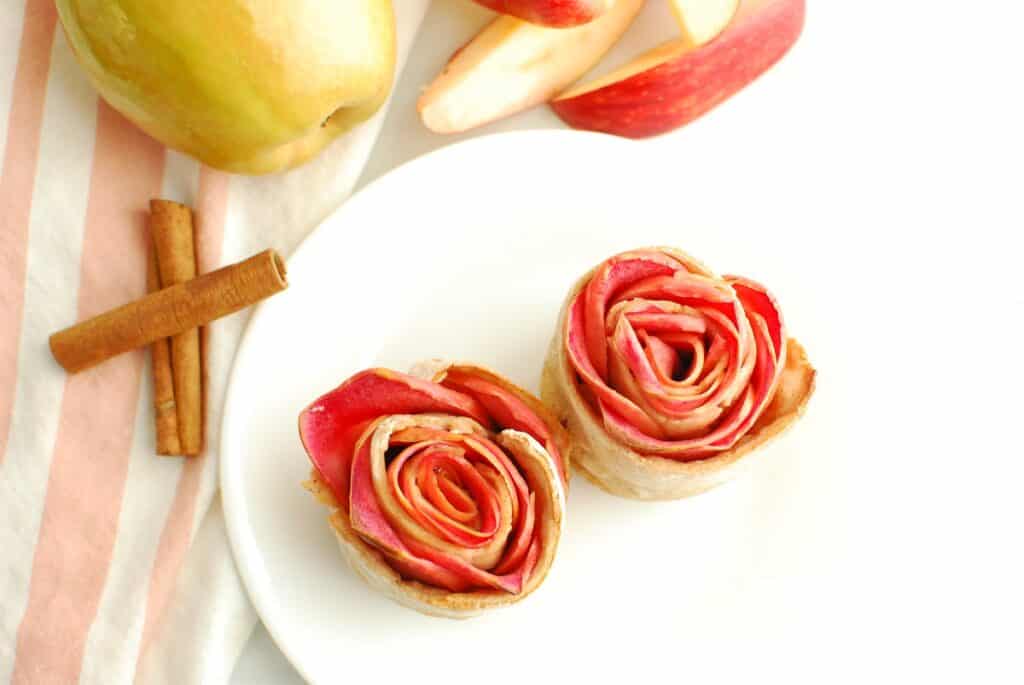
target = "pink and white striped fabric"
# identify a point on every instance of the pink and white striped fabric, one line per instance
(114, 565)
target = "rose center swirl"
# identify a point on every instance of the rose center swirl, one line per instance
(456, 492)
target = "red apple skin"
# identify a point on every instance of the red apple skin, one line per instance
(555, 13)
(684, 87)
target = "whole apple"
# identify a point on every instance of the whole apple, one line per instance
(249, 86)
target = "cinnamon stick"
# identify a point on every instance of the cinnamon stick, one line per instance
(164, 409)
(169, 311)
(170, 224)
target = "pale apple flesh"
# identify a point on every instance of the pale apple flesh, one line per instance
(250, 86)
(512, 65)
(556, 13)
(676, 83)
(700, 21)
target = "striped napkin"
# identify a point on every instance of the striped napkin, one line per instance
(114, 564)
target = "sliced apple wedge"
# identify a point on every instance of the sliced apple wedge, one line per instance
(512, 65)
(677, 82)
(560, 13)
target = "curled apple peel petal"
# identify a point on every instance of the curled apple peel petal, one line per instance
(667, 374)
(447, 486)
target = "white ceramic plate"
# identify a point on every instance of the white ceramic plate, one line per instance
(466, 254)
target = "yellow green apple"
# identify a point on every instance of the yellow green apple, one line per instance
(249, 86)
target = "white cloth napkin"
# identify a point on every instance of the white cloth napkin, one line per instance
(114, 563)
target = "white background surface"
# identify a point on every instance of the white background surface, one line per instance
(896, 129)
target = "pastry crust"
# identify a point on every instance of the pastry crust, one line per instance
(536, 465)
(622, 471)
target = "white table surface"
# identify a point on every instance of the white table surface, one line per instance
(906, 114)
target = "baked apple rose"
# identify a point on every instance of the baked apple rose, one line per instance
(667, 375)
(447, 486)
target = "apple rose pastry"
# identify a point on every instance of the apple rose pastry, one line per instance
(447, 488)
(668, 375)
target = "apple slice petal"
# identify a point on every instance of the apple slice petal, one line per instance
(512, 65)
(675, 83)
(330, 427)
(509, 410)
